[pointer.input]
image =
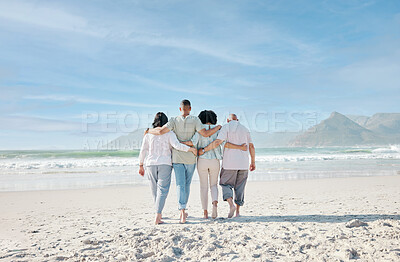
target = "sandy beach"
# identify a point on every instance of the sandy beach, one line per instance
(304, 220)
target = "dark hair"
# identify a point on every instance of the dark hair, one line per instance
(185, 102)
(208, 116)
(160, 119)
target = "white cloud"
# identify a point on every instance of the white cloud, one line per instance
(35, 14)
(375, 74)
(137, 32)
(190, 90)
(346, 6)
(89, 100)
(25, 123)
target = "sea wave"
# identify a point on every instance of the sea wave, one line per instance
(298, 158)
(390, 149)
(88, 163)
(356, 151)
(42, 161)
(65, 154)
(91, 163)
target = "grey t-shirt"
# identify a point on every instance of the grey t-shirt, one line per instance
(184, 128)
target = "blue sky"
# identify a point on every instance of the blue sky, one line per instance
(116, 60)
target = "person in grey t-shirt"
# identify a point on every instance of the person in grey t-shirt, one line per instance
(184, 163)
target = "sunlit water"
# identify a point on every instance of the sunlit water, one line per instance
(38, 170)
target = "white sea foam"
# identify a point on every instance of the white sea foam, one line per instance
(323, 157)
(21, 164)
(69, 163)
(43, 172)
(390, 149)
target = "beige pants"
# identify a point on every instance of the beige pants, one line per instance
(208, 170)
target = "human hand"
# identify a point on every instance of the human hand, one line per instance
(201, 151)
(146, 131)
(188, 143)
(252, 166)
(141, 171)
(193, 150)
(243, 147)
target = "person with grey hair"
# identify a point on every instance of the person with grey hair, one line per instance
(208, 164)
(235, 163)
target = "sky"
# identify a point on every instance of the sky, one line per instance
(77, 72)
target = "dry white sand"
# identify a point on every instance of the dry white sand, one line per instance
(281, 220)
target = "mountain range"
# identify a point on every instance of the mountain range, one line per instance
(352, 130)
(336, 130)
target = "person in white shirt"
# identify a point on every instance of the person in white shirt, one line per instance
(155, 159)
(208, 164)
(235, 163)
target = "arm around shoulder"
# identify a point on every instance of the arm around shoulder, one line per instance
(159, 130)
(209, 132)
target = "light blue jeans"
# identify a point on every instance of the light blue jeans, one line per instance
(160, 180)
(183, 177)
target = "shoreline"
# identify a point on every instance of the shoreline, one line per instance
(264, 178)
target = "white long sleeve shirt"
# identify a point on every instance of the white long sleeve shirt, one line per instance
(157, 149)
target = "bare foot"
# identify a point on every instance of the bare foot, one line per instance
(205, 214)
(231, 211)
(183, 218)
(214, 212)
(159, 222)
(237, 211)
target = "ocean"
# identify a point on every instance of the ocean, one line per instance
(67, 169)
